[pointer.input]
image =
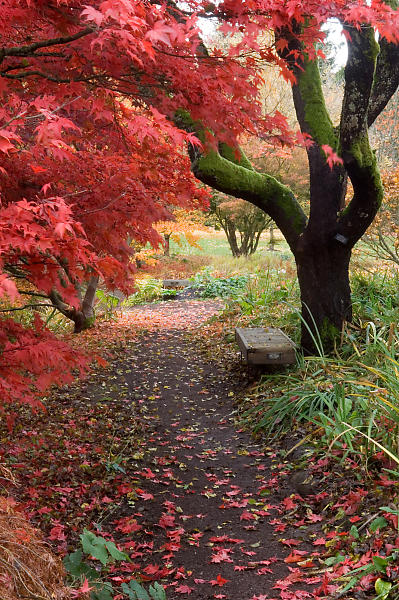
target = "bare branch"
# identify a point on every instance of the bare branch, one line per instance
(29, 50)
(4, 310)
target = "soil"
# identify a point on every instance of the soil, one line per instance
(214, 489)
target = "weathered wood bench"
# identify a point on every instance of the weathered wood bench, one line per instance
(265, 346)
(174, 284)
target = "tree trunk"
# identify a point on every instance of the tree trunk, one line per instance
(230, 232)
(85, 317)
(323, 275)
(166, 251)
(82, 317)
(272, 238)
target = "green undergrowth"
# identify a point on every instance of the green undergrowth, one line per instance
(149, 289)
(81, 565)
(351, 398)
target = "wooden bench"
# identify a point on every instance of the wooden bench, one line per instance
(174, 284)
(265, 346)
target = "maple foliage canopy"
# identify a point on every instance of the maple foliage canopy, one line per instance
(89, 159)
(90, 154)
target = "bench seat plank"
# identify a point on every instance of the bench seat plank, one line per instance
(265, 346)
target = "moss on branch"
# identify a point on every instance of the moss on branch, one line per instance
(229, 171)
(231, 154)
(319, 124)
(262, 190)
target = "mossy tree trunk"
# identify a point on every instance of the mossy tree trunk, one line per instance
(323, 241)
(323, 276)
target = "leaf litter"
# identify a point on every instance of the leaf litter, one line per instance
(146, 453)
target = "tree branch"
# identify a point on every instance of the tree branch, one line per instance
(29, 50)
(386, 79)
(356, 152)
(3, 310)
(264, 191)
(60, 305)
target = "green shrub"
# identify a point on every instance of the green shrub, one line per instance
(80, 566)
(149, 290)
(209, 286)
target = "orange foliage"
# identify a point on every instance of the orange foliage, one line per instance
(185, 225)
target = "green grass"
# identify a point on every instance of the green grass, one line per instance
(351, 397)
(219, 246)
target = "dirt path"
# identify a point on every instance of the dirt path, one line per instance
(146, 452)
(210, 497)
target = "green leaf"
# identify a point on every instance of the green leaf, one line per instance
(114, 552)
(354, 532)
(135, 591)
(351, 583)
(333, 560)
(378, 523)
(76, 567)
(157, 592)
(380, 563)
(94, 546)
(390, 510)
(103, 591)
(382, 588)
(74, 559)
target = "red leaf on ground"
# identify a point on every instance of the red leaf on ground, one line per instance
(166, 521)
(184, 589)
(319, 542)
(221, 556)
(247, 516)
(295, 556)
(219, 580)
(291, 542)
(289, 504)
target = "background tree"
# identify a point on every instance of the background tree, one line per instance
(242, 222)
(321, 243)
(382, 238)
(183, 227)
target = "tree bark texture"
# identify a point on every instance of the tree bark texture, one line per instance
(323, 275)
(84, 316)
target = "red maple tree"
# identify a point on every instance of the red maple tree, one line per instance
(89, 159)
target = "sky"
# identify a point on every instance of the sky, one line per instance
(333, 29)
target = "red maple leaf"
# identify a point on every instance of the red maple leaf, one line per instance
(247, 516)
(289, 504)
(291, 542)
(184, 589)
(218, 581)
(222, 555)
